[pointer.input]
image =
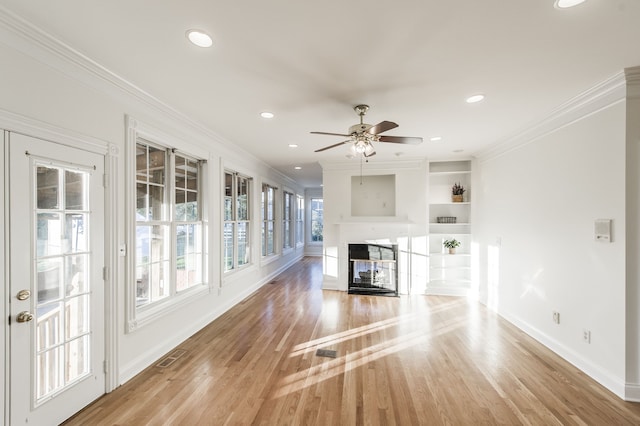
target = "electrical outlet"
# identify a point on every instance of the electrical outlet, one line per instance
(586, 336)
(556, 317)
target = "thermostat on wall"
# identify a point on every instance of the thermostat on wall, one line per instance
(603, 230)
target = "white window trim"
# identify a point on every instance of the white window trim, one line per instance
(138, 317)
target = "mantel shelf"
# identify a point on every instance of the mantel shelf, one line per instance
(375, 220)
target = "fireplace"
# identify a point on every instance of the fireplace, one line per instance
(373, 269)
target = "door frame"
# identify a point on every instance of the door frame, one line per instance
(15, 123)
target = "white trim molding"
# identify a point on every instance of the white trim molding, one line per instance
(601, 96)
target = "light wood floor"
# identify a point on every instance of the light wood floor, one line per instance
(404, 361)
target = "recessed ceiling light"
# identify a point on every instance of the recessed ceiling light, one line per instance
(266, 114)
(199, 38)
(564, 4)
(293, 145)
(298, 168)
(436, 139)
(475, 98)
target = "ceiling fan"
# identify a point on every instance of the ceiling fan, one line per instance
(363, 135)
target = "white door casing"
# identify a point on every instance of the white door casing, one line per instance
(56, 251)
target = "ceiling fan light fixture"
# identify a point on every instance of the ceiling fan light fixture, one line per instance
(199, 38)
(565, 4)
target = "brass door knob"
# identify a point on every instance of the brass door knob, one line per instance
(24, 316)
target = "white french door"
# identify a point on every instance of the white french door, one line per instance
(56, 240)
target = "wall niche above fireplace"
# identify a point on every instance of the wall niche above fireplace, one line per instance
(373, 269)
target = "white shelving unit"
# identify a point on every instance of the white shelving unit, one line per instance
(449, 274)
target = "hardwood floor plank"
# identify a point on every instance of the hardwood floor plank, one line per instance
(411, 360)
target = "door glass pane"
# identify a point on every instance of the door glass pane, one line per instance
(49, 234)
(74, 193)
(48, 181)
(76, 321)
(77, 356)
(62, 310)
(49, 326)
(74, 233)
(49, 279)
(75, 274)
(48, 374)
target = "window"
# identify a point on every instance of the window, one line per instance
(236, 221)
(268, 219)
(169, 253)
(316, 219)
(287, 220)
(300, 220)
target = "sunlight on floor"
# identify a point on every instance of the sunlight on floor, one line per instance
(329, 368)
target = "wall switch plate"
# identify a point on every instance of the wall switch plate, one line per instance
(556, 317)
(586, 336)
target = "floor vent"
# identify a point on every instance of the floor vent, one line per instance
(171, 358)
(326, 353)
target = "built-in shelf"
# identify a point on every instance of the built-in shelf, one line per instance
(449, 274)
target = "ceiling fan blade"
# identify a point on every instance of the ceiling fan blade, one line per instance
(330, 134)
(331, 146)
(383, 126)
(370, 155)
(400, 139)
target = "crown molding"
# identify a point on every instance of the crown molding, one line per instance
(26, 38)
(597, 98)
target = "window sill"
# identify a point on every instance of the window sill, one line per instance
(149, 314)
(269, 259)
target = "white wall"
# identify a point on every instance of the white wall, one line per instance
(39, 85)
(535, 208)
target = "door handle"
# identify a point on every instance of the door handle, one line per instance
(24, 316)
(23, 295)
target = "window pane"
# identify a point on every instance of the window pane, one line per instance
(142, 172)
(228, 246)
(270, 236)
(48, 182)
(243, 243)
(74, 193)
(156, 202)
(141, 201)
(316, 219)
(181, 206)
(157, 158)
(180, 172)
(243, 198)
(191, 175)
(228, 196)
(189, 255)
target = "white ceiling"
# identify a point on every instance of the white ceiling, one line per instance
(413, 61)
